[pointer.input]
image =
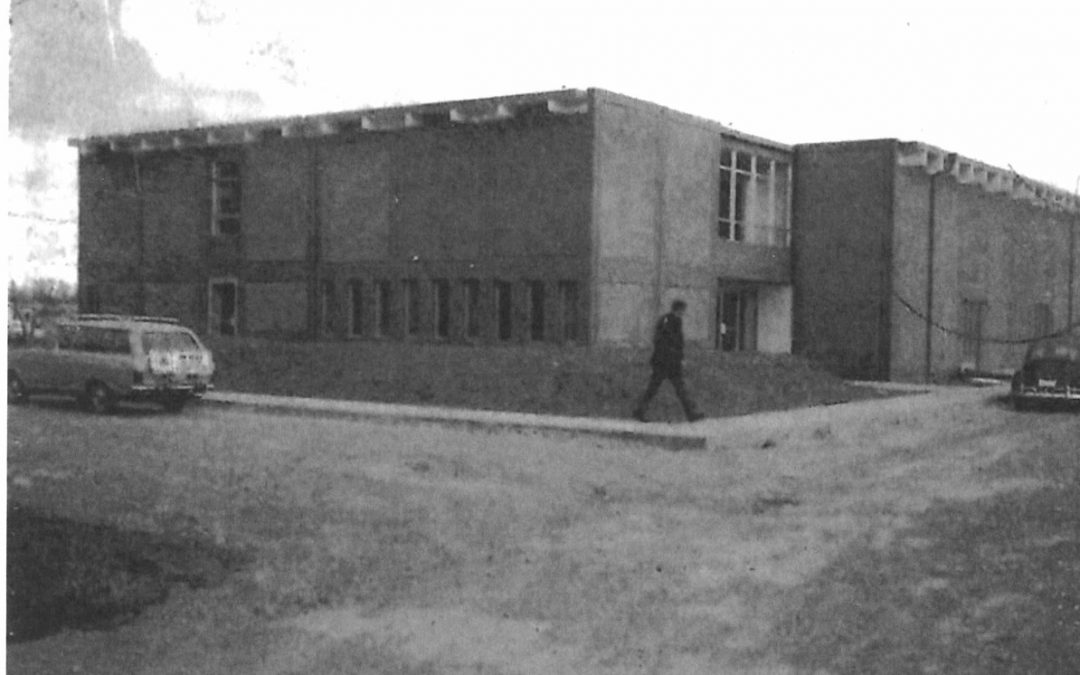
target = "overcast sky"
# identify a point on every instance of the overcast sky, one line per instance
(992, 81)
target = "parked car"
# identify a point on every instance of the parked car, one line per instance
(105, 358)
(1051, 372)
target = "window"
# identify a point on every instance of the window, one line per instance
(753, 198)
(410, 295)
(385, 309)
(569, 312)
(504, 309)
(736, 319)
(328, 306)
(440, 296)
(102, 340)
(225, 194)
(222, 319)
(356, 307)
(972, 316)
(1043, 323)
(168, 341)
(472, 308)
(536, 310)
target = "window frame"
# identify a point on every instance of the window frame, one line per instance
(220, 187)
(738, 180)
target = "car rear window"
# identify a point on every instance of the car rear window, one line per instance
(169, 341)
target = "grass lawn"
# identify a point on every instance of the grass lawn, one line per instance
(599, 382)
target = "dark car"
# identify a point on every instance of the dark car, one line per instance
(1051, 372)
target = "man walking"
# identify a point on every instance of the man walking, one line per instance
(667, 363)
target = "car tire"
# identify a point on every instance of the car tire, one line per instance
(98, 399)
(16, 389)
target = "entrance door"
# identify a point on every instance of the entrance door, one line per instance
(223, 310)
(736, 319)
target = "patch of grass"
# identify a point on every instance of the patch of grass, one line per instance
(67, 574)
(600, 382)
(990, 586)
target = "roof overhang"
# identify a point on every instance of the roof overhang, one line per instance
(477, 111)
(934, 160)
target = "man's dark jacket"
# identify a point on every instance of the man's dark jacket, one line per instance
(668, 344)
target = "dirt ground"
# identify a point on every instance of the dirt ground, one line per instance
(937, 533)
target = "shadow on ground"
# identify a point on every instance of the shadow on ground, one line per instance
(67, 574)
(988, 586)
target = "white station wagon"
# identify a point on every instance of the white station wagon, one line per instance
(104, 358)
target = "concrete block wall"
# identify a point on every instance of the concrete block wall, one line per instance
(842, 242)
(989, 247)
(655, 207)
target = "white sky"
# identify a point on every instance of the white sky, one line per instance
(994, 81)
(997, 82)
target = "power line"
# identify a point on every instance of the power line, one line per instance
(964, 335)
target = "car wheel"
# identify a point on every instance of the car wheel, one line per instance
(99, 399)
(16, 389)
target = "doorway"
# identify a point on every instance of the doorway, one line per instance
(222, 319)
(736, 318)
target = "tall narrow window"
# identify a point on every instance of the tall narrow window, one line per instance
(328, 306)
(972, 317)
(385, 310)
(472, 308)
(225, 197)
(504, 309)
(356, 307)
(569, 311)
(222, 318)
(536, 310)
(440, 300)
(410, 304)
(1043, 323)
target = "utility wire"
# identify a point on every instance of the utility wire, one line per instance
(970, 336)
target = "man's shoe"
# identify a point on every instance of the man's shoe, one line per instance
(695, 417)
(639, 415)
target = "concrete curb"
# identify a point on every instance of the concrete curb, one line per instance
(754, 430)
(675, 437)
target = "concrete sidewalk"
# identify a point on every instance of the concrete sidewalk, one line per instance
(684, 436)
(738, 431)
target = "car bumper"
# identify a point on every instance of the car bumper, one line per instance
(150, 392)
(1048, 394)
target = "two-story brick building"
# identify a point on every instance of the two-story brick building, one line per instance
(565, 216)
(559, 216)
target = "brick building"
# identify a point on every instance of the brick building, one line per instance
(912, 263)
(561, 216)
(565, 216)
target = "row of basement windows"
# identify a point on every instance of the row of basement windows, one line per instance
(754, 198)
(469, 309)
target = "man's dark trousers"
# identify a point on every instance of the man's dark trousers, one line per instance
(671, 372)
